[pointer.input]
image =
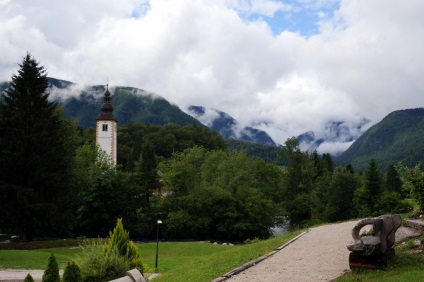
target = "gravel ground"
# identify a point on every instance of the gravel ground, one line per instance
(319, 255)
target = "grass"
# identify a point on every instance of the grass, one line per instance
(35, 259)
(206, 267)
(178, 261)
(403, 267)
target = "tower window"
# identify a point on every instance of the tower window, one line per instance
(104, 127)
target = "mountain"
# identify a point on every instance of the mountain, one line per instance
(335, 137)
(130, 105)
(399, 137)
(228, 127)
(83, 103)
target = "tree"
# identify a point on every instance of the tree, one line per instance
(120, 239)
(413, 182)
(367, 196)
(392, 182)
(28, 278)
(340, 204)
(298, 182)
(72, 273)
(36, 149)
(104, 194)
(146, 172)
(51, 274)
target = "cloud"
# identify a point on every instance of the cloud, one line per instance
(364, 59)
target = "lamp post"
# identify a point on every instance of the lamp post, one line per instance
(157, 242)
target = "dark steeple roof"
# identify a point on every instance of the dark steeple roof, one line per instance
(106, 109)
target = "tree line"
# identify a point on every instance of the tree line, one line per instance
(55, 182)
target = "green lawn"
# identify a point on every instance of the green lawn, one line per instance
(35, 259)
(178, 261)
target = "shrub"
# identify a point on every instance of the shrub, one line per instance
(28, 278)
(51, 274)
(98, 265)
(72, 273)
(120, 239)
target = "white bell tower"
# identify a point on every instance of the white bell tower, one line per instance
(106, 128)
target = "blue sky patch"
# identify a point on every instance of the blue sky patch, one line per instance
(301, 17)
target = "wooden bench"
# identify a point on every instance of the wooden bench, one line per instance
(372, 251)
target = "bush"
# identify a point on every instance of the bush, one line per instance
(51, 274)
(120, 239)
(28, 278)
(98, 265)
(72, 273)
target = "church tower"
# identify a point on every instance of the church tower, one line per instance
(106, 128)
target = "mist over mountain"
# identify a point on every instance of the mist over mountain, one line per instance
(228, 127)
(335, 138)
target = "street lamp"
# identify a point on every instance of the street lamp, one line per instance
(157, 242)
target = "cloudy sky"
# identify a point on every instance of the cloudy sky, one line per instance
(287, 66)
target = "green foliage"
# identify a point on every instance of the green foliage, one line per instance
(230, 184)
(110, 260)
(252, 241)
(51, 274)
(392, 182)
(166, 141)
(104, 193)
(72, 273)
(397, 138)
(36, 158)
(97, 265)
(267, 153)
(28, 278)
(413, 182)
(367, 197)
(120, 239)
(340, 205)
(391, 202)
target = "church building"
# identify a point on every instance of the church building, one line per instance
(106, 128)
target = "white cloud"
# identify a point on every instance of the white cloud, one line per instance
(366, 60)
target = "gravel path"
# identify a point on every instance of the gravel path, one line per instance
(319, 255)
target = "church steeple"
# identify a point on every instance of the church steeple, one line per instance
(106, 136)
(106, 112)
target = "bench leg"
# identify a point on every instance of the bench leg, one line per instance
(374, 261)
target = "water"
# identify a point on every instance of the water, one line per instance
(280, 229)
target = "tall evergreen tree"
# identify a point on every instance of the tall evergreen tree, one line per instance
(36, 148)
(393, 183)
(146, 171)
(367, 197)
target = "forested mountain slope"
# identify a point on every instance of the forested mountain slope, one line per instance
(399, 137)
(132, 105)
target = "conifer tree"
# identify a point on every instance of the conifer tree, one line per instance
(28, 278)
(72, 273)
(51, 274)
(36, 148)
(119, 238)
(145, 171)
